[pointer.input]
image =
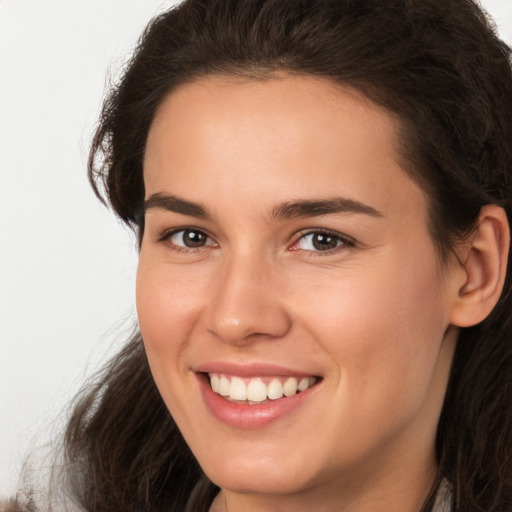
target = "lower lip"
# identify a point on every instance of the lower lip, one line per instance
(250, 416)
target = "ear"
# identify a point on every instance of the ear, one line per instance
(484, 265)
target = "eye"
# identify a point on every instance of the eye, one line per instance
(190, 238)
(320, 241)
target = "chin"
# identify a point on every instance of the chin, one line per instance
(256, 482)
(251, 477)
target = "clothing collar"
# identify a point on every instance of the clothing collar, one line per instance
(443, 501)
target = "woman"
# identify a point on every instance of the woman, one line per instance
(321, 194)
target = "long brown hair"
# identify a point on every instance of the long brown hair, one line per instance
(439, 66)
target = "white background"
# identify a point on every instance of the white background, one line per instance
(66, 265)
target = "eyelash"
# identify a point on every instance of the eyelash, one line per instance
(342, 240)
(167, 235)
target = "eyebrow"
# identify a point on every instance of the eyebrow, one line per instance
(316, 208)
(177, 205)
(284, 211)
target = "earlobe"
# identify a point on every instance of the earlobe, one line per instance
(484, 264)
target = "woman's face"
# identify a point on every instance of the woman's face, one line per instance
(286, 252)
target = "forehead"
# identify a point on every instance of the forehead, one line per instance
(279, 107)
(292, 135)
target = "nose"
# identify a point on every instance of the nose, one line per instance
(248, 302)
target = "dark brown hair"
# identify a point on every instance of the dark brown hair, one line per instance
(437, 65)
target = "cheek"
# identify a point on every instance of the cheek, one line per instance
(384, 329)
(167, 304)
(168, 297)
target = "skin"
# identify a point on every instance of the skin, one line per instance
(372, 317)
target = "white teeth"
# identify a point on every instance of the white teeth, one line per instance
(214, 381)
(255, 390)
(224, 386)
(275, 389)
(290, 386)
(303, 384)
(237, 391)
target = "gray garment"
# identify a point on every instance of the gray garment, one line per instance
(443, 501)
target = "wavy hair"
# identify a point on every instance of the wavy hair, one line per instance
(440, 68)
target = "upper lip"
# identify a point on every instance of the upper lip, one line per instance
(250, 369)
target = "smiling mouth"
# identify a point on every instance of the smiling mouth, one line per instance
(258, 390)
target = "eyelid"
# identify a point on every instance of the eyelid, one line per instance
(347, 242)
(167, 234)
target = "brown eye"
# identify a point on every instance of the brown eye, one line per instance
(319, 241)
(190, 238)
(322, 242)
(194, 238)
